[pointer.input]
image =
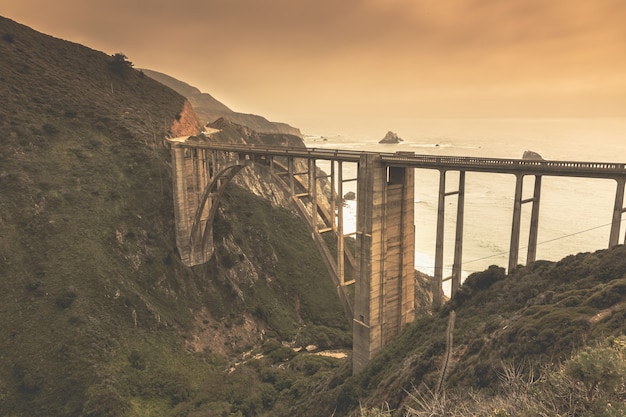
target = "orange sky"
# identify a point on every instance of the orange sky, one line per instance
(317, 64)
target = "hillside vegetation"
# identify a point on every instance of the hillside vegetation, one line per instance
(546, 340)
(97, 315)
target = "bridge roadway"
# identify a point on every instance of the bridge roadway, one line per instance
(455, 163)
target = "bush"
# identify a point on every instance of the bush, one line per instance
(600, 370)
(104, 401)
(120, 63)
(66, 299)
(483, 280)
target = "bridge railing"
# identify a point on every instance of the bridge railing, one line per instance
(409, 159)
(550, 167)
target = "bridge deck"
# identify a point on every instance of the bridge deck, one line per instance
(456, 163)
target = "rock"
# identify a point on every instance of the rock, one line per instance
(532, 155)
(349, 196)
(391, 137)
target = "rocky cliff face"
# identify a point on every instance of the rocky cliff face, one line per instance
(186, 122)
(209, 109)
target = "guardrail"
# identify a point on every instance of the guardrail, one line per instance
(503, 165)
(408, 159)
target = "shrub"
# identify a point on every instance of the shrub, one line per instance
(601, 371)
(120, 63)
(104, 401)
(66, 299)
(137, 360)
(483, 280)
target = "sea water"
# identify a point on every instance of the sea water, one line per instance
(575, 213)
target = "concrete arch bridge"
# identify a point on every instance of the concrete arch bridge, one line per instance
(382, 267)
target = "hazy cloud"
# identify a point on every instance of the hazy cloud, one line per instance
(289, 57)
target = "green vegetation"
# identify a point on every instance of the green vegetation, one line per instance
(120, 63)
(554, 329)
(98, 317)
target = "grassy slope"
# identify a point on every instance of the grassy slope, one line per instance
(95, 309)
(534, 318)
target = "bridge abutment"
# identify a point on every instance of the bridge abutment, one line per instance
(385, 245)
(191, 177)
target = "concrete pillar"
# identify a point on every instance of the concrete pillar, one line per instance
(187, 195)
(292, 184)
(516, 224)
(439, 239)
(313, 192)
(340, 242)
(534, 222)
(458, 242)
(618, 209)
(385, 245)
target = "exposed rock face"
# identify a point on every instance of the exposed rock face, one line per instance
(209, 109)
(391, 137)
(186, 122)
(532, 155)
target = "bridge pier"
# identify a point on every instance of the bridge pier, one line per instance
(516, 223)
(191, 176)
(618, 210)
(437, 287)
(385, 245)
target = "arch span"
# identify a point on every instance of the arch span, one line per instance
(301, 187)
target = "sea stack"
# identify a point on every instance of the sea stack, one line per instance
(532, 155)
(391, 137)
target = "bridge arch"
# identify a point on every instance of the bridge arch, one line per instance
(301, 187)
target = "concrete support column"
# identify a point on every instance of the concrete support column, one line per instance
(458, 242)
(313, 191)
(187, 181)
(438, 278)
(534, 222)
(516, 224)
(618, 210)
(385, 245)
(292, 180)
(340, 239)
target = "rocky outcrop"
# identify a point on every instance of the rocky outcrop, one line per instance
(532, 155)
(209, 109)
(186, 122)
(391, 137)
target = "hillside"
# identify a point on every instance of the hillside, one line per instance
(209, 109)
(97, 315)
(547, 339)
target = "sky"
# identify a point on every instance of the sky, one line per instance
(323, 64)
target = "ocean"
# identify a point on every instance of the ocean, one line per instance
(575, 214)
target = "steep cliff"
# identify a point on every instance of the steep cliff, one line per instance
(209, 109)
(98, 317)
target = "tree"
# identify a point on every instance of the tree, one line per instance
(120, 63)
